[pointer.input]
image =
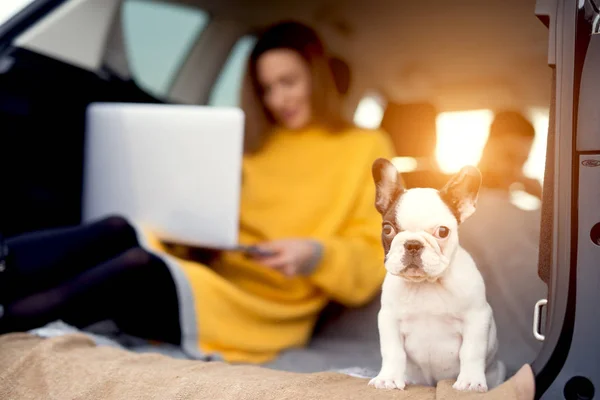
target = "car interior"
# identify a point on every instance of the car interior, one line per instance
(398, 65)
(193, 53)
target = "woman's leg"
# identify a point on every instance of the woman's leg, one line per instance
(135, 290)
(42, 260)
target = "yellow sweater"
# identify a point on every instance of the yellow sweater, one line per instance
(308, 184)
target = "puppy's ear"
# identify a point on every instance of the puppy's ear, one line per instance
(388, 182)
(461, 192)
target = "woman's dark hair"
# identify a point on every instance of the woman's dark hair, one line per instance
(326, 100)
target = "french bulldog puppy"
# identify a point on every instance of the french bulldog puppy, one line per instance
(435, 322)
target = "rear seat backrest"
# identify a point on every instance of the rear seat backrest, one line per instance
(341, 74)
(412, 128)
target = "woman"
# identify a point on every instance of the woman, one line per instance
(307, 204)
(307, 199)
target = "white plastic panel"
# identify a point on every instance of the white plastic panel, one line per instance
(75, 32)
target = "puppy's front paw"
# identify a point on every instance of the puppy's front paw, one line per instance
(470, 383)
(381, 382)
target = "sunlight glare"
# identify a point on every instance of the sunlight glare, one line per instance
(534, 167)
(524, 200)
(369, 112)
(405, 164)
(461, 136)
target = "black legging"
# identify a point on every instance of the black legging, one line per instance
(88, 274)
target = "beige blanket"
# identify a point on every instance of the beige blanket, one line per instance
(72, 367)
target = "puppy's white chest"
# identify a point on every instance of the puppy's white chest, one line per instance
(433, 343)
(430, 323)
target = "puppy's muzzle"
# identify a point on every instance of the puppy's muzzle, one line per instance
(413, 247)
(413, 265)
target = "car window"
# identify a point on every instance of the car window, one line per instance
(158, 38)
(227, 87)
(10, 8)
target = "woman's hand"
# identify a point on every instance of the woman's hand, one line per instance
(291, 257)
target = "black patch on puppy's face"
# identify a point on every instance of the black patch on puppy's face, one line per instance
(389, 190)
(389, 219)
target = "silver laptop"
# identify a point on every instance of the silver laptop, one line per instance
(174, 169)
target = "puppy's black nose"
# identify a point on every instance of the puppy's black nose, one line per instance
(413, 246)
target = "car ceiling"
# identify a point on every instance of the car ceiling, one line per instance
(458, 54)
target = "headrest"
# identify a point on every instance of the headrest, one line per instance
(341, 74)
(412, 128)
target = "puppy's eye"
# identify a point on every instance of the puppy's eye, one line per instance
(442, 232)
(388, 230)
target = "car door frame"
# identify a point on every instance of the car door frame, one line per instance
(561, 368)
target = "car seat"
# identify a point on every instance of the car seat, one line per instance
(341, 74)
(412, 128)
